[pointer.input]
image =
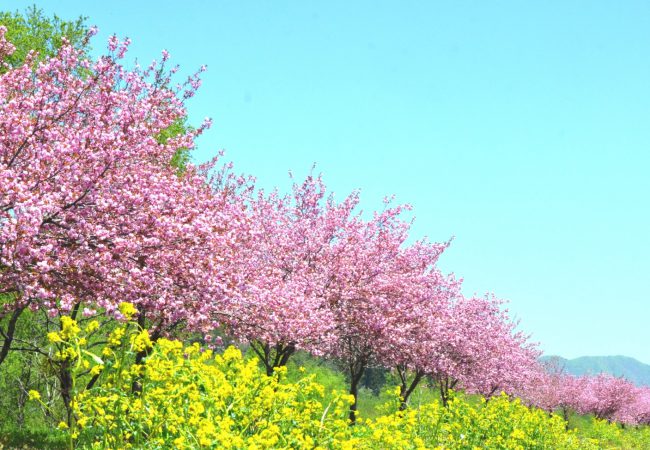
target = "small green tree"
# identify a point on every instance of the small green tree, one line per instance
(33, 30)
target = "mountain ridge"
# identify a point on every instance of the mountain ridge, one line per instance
(617, 365)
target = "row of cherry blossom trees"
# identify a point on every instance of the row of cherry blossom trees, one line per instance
(93, 213)
(604, 396)
(321, 278)
(324, 279)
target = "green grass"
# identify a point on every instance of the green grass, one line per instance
(31, 439)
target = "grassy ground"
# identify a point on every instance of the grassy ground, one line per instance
(44, 438)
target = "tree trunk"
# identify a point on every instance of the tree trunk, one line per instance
(565, 414)
(136, 386)
(286, 354)
(406, 388)
(356, 372)
(272, 357)
(65, 377)
(9, 335)
(444, 391)
(354, 391)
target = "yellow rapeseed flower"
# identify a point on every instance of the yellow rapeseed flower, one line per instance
(127, 309)
(54, 337)
(69, 328)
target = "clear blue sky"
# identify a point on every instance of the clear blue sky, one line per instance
(521, 128)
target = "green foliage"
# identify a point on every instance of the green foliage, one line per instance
(324, 371)
(33, 30)
(182, 156)
(24, 370)
(32, 366)
(32, 438)
(374, 379)
(613, 436)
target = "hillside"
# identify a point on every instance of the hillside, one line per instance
(630, 368)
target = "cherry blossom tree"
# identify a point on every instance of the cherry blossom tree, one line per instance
(418, 346)
(91, 210)
(606, 396)
(480, 351)
(283, 306)
(637, 412)
(374, 277)
(551, 389)
(504, 359)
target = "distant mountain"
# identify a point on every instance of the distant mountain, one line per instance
(635, 371)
